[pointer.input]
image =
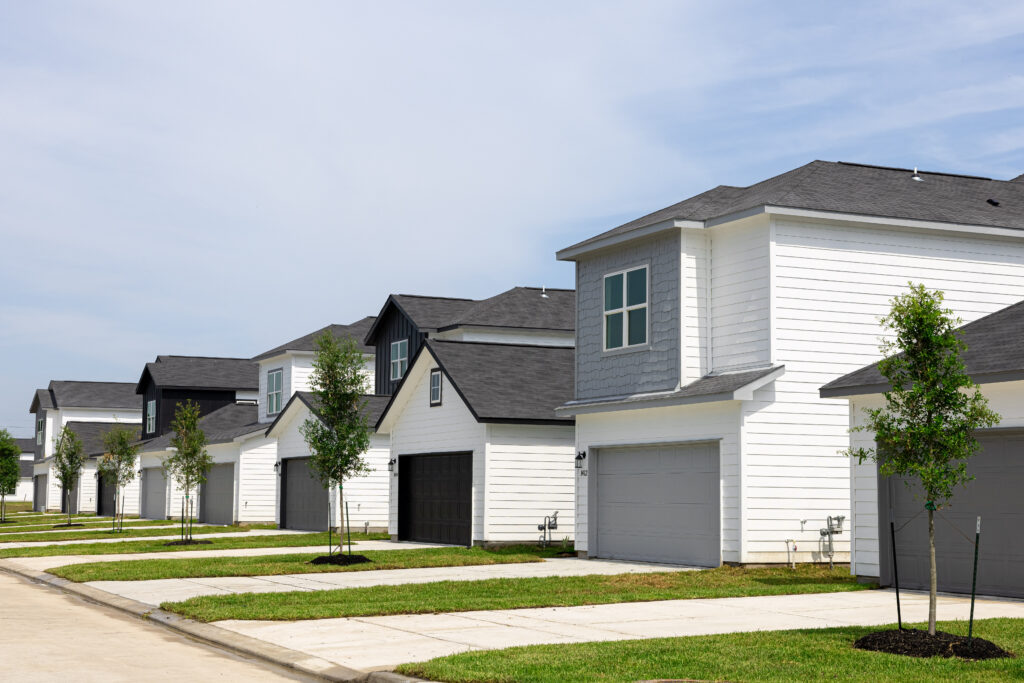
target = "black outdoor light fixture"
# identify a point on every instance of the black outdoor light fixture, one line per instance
(277, 468)
(139, 472)
(581, 462)
(391, 465)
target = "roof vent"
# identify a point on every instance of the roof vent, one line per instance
(993, 202)
(916, 176)
(544, 291)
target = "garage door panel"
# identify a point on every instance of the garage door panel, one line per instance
(304, 499)
(659, 503)
(435, 497)
(154, 493)
(217, 495)
(39, 499)
(994, 495)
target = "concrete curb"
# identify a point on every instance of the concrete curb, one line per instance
(213, 635)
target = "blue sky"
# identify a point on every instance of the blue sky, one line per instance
(216, 178)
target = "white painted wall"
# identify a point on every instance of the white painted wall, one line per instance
(694, 302)
(419, 427)
(530, 473)
(699, 422)
(297, 367)
(256, 483)
(1006, 398)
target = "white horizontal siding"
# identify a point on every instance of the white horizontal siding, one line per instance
(419, 427)
(710, 421)
(88, 489)
(739, 274)
(257, 480)
(694, 318)
(530, 474)
(830, 286)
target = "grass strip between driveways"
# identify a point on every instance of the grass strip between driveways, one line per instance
(160, 546)
(496, 594)
(34, 527)
(50, 536)
(799, 655)
(274, 565)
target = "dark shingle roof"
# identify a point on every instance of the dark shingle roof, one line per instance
(995, 352)
(508, 382)
(857, 189)
(25, 469)
(431, 312)
(525, 308)
(375, 404)
(92, 433)
(70, 394)
(221, 426)
(26, 445)
(356, 330)
(197, 372)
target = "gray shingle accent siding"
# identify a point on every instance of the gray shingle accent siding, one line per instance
(653, 368)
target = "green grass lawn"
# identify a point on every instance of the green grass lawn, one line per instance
(270, 565)
(33, 527)
(18, 506)
(494, 594)
(57, 535)
(804, 655)
(232, 542)
(45, 517)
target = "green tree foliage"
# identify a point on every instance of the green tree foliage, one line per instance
(338, 435)
(68, 460)
(190, 461)
(925, 432)
(10, 454)
(117, 466)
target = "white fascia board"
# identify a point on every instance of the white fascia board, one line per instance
(837, 217)
(571, 253)
(257, 433)
(746, 392)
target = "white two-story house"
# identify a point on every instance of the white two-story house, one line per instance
(90, 409)
(704, 331)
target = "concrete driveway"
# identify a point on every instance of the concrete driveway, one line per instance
(377, 643)
(169, 590)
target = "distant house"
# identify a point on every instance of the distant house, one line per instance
(89, 408)
(705, 329)
(215, 384)
(995, 360)
(25, 463)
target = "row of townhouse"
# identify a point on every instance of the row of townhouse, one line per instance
(670, 408)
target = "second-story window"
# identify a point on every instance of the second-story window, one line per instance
(150, 417)
(40, 428)
(275, 382)
(435, 387)
(399, 358)
(625, 308)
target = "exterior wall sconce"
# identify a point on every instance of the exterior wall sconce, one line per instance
(581, 463)
(391, 466)
(277, 468)
(139, 472)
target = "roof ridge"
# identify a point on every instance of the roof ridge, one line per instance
(428, 296)
(174, 355)
(433, 340)
(800, 178)
(911, 170)
(87, 381)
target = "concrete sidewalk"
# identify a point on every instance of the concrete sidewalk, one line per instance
(378, 643)
(228, 534)
(38, 528)
(171, 590)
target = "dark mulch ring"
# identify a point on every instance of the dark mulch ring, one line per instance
(915, 643)
(340, 559)
(189, 542)
(65, 526)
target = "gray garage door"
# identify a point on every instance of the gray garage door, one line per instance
(994, 494)
(105, 495)
(154, 493)
(303, 497)
(657, 504)
(39, 495)
(74, 498)
(217, 495)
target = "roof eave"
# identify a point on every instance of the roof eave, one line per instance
(583, 248)
(1015, 375)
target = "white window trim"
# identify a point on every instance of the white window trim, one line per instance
(401, 362)
(150, 416)
(436, 372)
(275, 399)
(625, 309)
(40, 428)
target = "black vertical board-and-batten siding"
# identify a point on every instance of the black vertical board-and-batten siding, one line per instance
(395, 327)
(168, 399)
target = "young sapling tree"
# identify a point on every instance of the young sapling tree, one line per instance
(189, 461)
(10, 454)
(338, 434)
(117, 466)
(925, 432)
(68, 460)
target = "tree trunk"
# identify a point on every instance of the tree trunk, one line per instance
(933, 584)
(67, 501)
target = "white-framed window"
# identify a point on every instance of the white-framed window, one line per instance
(435, 387)
(625, 308)
(40, 428)
(399, 358)
(150, 416)
(275, 391)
